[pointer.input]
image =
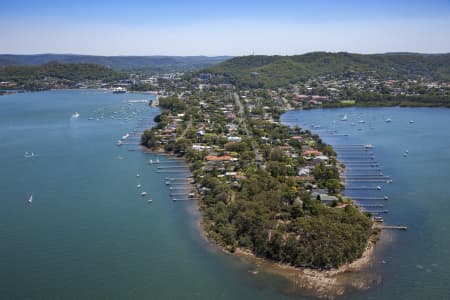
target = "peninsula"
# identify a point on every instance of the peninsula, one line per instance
(263, 188)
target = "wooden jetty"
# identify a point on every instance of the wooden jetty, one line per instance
(376, 212)
(367, 198)
(173, 167)
(371, 205)
(392, 227)
(184, 199)
(363, 188)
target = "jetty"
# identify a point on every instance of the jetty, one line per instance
(392, 227)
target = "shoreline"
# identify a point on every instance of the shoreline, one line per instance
(324, 284)
(319, 283)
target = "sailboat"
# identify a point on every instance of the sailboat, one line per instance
(344, 118)
(30, 200)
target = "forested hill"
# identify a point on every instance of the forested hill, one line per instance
(121, 63)
(71, 72)
(275, 71)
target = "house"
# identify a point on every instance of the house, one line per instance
(327, 199)
(234, 139)
(304, 171)
(312, 153)
(219, 158)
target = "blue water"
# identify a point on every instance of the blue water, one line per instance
(90, 235)
(415, 264)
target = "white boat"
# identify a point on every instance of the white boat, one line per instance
(138, 186)
(119, 90)
(125, 136)
(411, 122)
(344, 118)
(137, 175)
(30, 200)
(388, 120)
(76, 115)
(378, 187)
(368, 146)
(28, 154)
(149, 200)
(144, 194)
(150, 161)
(362, 121)
(119, 143)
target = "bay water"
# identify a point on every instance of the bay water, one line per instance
(412, 146)
(89, 234)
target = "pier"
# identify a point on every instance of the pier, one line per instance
(392, 227)
(363, 188)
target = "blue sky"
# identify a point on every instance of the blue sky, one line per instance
(223, 27)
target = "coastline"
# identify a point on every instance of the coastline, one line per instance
(320, 283)
(324, 284)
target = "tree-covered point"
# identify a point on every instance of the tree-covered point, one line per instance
(274, 220)
(71, 72)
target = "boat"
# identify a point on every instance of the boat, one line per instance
(344, 118)
(125, 136)
(76, 115)
(119, 90)
(30, 200)
(411, 122)
(378, 219)
(167, 182)
(150, 161)
(149, 201)
(28, 154)
(119, 143)
(144, 194)
(388, 120)
(137, 175)
(378, 187)
(362, 121)
(138, 186)
(368, 146)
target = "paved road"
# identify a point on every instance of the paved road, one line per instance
(258, 156)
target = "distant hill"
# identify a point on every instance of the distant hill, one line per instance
(121, 63)
(275, 71)
(56, 75)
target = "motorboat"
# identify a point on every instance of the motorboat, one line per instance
(75, 115)
(28, 154)
(119, 90)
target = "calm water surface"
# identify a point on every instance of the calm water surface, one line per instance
(90, 235)
(416, 264)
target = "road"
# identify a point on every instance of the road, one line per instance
(258, 156)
